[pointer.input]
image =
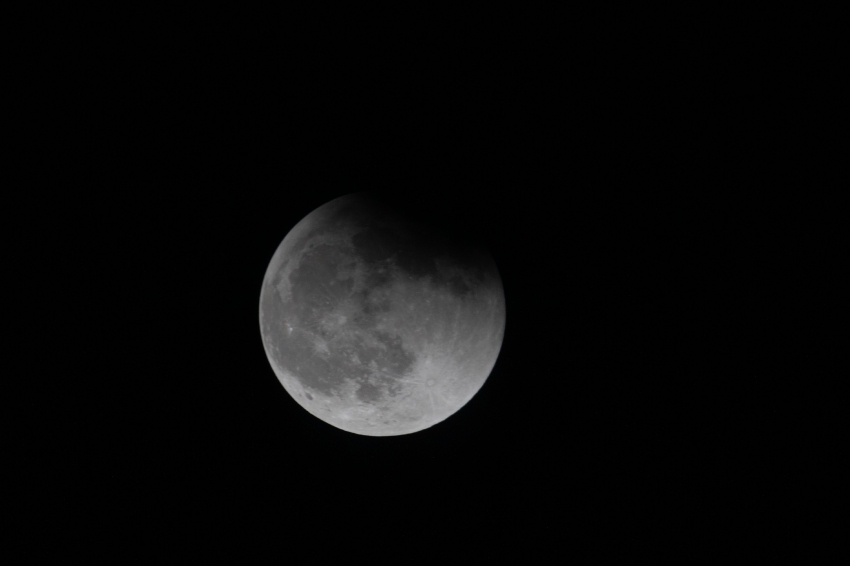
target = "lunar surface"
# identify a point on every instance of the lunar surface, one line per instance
(376, 324)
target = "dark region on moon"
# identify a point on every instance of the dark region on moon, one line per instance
(460, 268)
(414, 241)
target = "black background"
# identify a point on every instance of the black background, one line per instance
(603, 164)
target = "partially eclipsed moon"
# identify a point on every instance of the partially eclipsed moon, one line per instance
(378, 325)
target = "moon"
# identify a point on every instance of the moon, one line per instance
(378, 323)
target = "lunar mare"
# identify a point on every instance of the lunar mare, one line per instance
(376, 325)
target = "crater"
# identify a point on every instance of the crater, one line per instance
(459, 286)
(368, 392)
(375, 244)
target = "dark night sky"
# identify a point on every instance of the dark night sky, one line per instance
(598, 167)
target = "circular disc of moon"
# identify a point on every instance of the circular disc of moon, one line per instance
(376, 324)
